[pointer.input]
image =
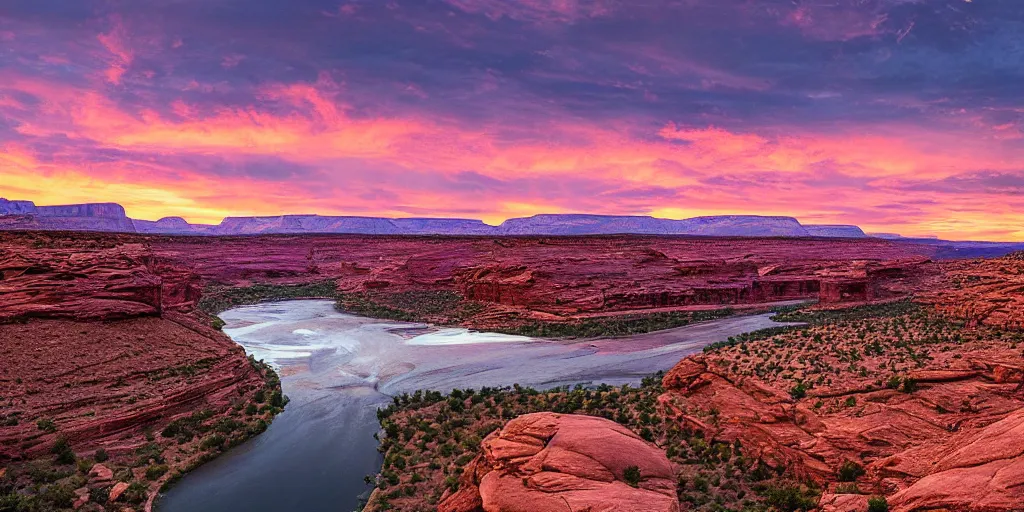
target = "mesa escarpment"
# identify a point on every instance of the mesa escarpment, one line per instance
(94, 369)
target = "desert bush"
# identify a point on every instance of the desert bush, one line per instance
(878, 504)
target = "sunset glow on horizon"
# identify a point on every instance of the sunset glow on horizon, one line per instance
(900, 116)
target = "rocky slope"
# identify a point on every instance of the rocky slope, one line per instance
(982, 292)
(553, 278)
(889, 403)
(900, 403)
(104, 347)
(92, 364)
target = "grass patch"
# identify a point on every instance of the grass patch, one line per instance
(439, 435)
(624, 325)
(217, 299)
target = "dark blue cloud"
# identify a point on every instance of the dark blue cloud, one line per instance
(731, 62)
(985, 182)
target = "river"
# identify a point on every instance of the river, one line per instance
(338, 368)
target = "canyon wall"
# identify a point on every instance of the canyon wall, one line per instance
(565, 276)
(87, 344)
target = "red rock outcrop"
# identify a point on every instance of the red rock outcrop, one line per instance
(89, 354)
(978, 470)
(982, 291)
(97, 381)
(77, 282)
(551, 462)
(940, 428)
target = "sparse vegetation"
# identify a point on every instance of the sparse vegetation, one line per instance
(47, 484)
(632, 476)
(624, 325)
(831, 365)
(878, 504)
(46, 425)
(850, 471)
(440, 434)
(217, 299)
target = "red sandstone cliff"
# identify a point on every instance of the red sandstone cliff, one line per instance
(89, 354)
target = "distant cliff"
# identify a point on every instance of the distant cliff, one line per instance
(725, 225)
(25, 215)
(834, 230)
(73, 217)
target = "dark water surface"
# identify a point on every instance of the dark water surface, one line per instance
(337, 369)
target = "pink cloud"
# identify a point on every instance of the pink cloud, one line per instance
(115, 42)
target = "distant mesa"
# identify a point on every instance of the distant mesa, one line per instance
(71, 217)
(835, 230)
(25, 215)
(725, 225)
(17, 207)
(894, 236)
(111, 217)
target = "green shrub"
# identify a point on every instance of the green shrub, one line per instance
(101, 455)
(156, 471)
(136, 493)
(58, 495)
(632, 476)
(99, 494)
(171, 430)
(850, 471)
(790, 498)
(214, 441)
(878, 504)
(62, 449)
(798, 391)
(46, 425)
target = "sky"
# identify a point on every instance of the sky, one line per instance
(899, 116)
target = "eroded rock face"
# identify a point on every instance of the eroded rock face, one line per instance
(567, 276)
(547, 462)
(77, 282)
(952, 439)
(90, 355)
(982, 291)
(978, 470)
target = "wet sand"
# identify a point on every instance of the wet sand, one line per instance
(338, 368)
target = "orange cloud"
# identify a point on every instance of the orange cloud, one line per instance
(714, 170)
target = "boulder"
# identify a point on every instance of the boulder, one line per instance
(116, 492)
(100, 473)
(81, 498)
(547, 462)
